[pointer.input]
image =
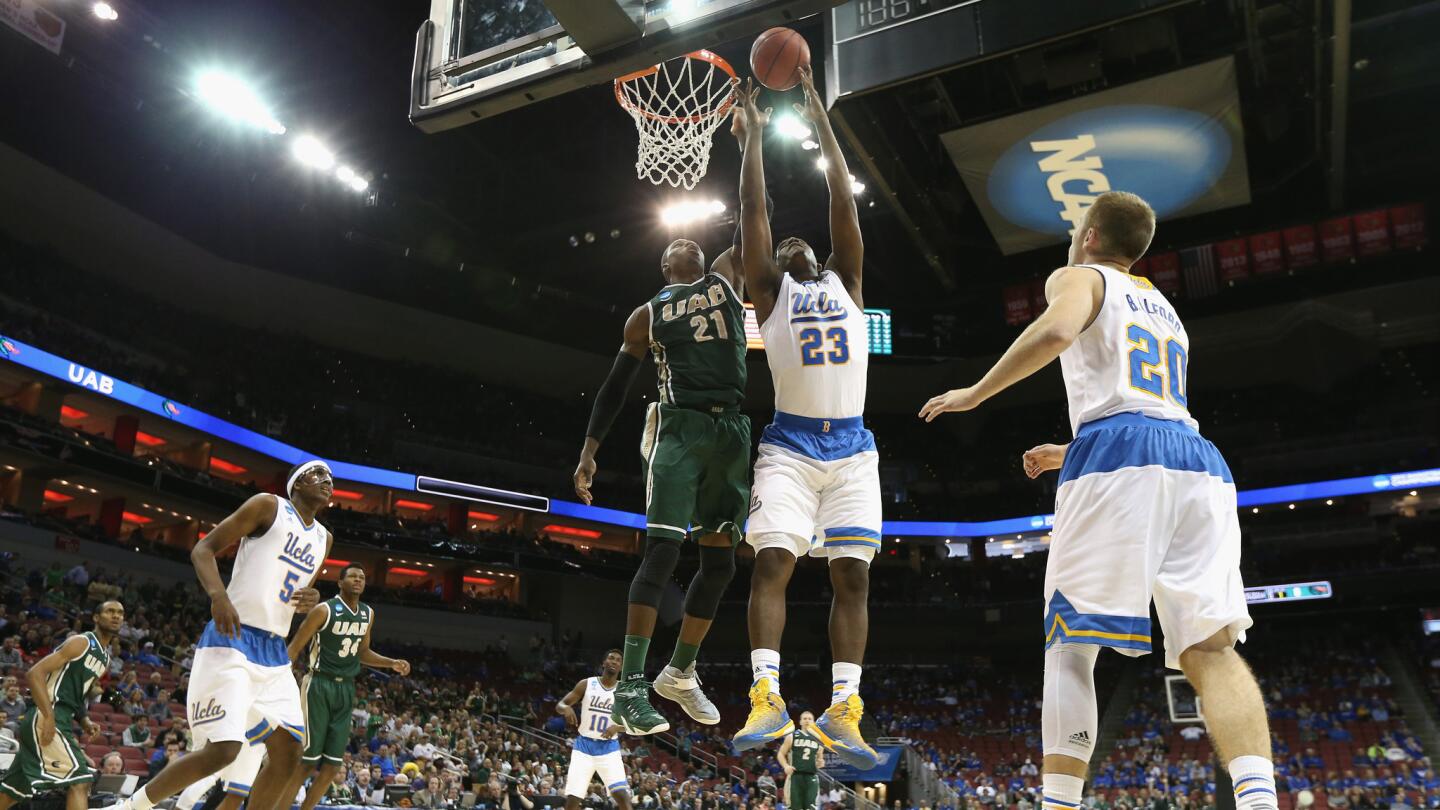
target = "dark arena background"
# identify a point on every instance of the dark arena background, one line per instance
(405, 237)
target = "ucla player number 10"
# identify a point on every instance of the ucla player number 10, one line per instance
(813, 351)
(1145, 372)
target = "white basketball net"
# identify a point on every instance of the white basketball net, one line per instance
(677, 106)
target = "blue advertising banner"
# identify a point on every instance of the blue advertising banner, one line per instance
(883, 771)
(1176, 140)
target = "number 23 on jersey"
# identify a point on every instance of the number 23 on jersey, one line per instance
(830, 346)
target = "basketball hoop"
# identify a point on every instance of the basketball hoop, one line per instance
(677, 106)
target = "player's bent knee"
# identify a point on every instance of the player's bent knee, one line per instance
(655, 569)
(219, 754)
(717, 568)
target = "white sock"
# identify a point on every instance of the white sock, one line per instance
(1254, 780)
(846, 679)
(1061, 792)
(141, 801)
(765, 666)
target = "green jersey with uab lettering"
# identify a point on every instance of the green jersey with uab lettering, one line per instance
(697, 335)
(803, 750)
(696, 443)
(335, 650)
(62, 762)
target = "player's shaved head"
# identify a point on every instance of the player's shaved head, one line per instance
(683, 260)
(1123, 223)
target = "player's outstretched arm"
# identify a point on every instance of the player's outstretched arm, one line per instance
(757, 248)
(370, 658)
(565, 707)
(611, 396)
(73, 648)
(314, 620)
(253, 517)
(1074, 294)
(847, 249)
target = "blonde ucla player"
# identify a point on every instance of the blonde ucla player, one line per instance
(817, 481)
(1145, 508)
(596, 749)
(241, 689)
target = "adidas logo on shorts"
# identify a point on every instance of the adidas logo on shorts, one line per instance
(1081, 738)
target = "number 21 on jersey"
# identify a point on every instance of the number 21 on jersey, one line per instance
(1146, 372)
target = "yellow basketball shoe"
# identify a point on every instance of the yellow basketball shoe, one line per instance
(768, 719)
(839, 730)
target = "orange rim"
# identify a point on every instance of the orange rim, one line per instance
(710, 57)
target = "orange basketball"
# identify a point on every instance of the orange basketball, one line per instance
(775, 57)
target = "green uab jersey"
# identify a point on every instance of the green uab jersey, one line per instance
(803, 750)
(697, 334)
(335, 650)
(70, 684)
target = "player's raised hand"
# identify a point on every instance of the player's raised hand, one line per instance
(304, 599)
(584, 477)
(955, 400)
(813, 109)
(227, 619)
(1043, 458)
(755, 119)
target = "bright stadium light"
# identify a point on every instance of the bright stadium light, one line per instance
(353, 181)
(309, 151)
(822, 164)
(809, 145)
(236, 100)
(692, 211)
(105, 11)
(792, 127)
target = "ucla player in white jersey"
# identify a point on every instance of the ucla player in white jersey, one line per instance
(596, 750)
(241, 688)
(817, 480)
(1145, 508)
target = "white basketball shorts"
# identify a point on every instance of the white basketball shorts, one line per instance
(242, 689)
(1145, 510)
(816, 489)
(584, 766)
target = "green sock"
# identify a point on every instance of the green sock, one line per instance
(633, 664)
(684, 655)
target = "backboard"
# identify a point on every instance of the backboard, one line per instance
(478, 58)
(1183, 700)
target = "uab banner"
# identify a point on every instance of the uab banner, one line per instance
(1175, 140)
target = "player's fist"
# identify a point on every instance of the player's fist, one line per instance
(401, 667)
(227, 619)
(91, 728)
(952, 401)
(584, 477)
(1043, 458)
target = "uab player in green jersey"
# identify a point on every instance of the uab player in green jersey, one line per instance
(802, 756)
(337, 634)
(696, 448)
(50, 756)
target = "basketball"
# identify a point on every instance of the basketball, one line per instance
(775, 57)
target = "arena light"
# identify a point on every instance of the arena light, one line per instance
(809, 145)
(72, 413)
(217, 463)
(148, 439)
(347, 495)
(690, 211)
(409, 572)
(479, 581)
(487, 516)
(138, 520)
(335, 562)
(419, 506)
(236, 100)
(310, 151)
(792, 127)
(51, 496)
(351, 179)
(571, 531)
(105, 11)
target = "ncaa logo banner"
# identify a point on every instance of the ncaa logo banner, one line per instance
(1176, 140)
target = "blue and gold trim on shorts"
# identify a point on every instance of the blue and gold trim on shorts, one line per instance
(1135, 440)
(260, 647)
(820, 439)
(851, 536)
(237, 789)
(1064, 623)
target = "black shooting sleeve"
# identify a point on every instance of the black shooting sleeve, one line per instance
(612, 395)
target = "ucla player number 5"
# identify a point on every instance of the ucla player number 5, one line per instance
(814, 341)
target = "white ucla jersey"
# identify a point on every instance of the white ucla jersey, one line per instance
(1133, 358)
(817, 342)
(269, 567)
(595, 708)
